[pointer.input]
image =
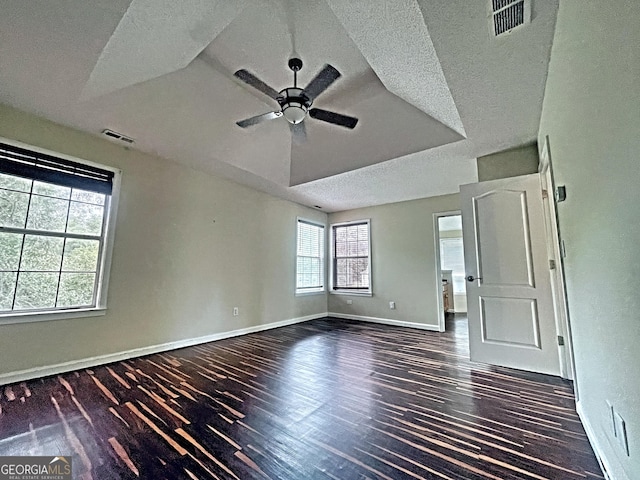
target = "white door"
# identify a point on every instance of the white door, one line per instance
(509, 298)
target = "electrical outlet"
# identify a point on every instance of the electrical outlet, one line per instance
(612, 418)
(235, 311)
(392, 305)
(621, 432)
(349, 301)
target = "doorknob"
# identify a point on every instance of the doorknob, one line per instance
(471, 278)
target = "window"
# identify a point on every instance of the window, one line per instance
(54, 222)
(452, 258)
(310, 258)
(351, 249)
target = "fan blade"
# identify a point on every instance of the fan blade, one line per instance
(250, 79)
(333, 117)
(258, 119)
(321, 82)
(298, 133)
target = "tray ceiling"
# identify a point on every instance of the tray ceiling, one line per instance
(430, 86)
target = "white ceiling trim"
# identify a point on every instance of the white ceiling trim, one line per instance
(156, 37)
(394, 39)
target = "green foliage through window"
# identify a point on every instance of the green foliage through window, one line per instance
(51, 237)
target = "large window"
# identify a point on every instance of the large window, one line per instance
(310, 258)
(351, 251)
(54, 219)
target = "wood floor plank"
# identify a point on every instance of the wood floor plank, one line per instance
(324, 399)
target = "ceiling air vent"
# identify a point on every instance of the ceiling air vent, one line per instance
(117, 136)
(509, 14)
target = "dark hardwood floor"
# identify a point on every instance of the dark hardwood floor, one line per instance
(325, 399)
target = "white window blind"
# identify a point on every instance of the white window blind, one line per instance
(351, 257)
(310, 257)
(53, 230)
(452, 258)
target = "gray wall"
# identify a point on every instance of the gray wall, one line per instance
(403, 261)
(509, 163)
(175, 273)
(592, 116)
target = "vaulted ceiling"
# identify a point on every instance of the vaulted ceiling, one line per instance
(431, 86)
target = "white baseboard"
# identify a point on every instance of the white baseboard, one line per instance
(605, 463)
(385, 321)
(37, 372)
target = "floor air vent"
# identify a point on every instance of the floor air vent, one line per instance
(117, 136)
(509, 14)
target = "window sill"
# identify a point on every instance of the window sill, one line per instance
(351, 293)
(30, 317)
(314, 292)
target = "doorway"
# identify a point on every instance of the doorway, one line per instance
(450, 270)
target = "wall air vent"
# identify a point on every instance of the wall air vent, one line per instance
(509, 14)
(117, 136)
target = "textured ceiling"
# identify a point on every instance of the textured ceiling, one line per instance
(250, 42)
(432, 89)
(156, 37)
(405, 60)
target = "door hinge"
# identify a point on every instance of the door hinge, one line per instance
(545, 193)
(552, 264)
(560, 340)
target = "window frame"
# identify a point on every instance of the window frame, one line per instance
(323, 267)
(368, 292)
(104, 255)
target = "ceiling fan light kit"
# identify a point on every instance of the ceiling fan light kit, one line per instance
(295, 103)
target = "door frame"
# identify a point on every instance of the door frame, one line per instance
(554, 250)
(436, 231)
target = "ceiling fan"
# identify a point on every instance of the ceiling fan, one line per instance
(296, 102)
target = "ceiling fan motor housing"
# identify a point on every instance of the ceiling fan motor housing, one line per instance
(295, 104)
(295, 64)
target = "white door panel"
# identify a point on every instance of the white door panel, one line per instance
(512, 243)
(510, 308)
(510, 321)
